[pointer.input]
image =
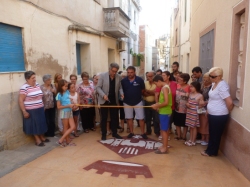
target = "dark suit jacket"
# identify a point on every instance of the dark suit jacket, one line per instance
(102, 87)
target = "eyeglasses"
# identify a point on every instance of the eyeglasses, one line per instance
(213, 77)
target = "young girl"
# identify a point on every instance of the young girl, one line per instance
(74, 98)
(164, 106)
(64, 104)
(195, 100)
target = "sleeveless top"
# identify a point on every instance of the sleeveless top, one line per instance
(166, 109)
(74, 99)
(192, 117)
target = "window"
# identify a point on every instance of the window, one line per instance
(11, 49)
(206, 54)
(238, 52)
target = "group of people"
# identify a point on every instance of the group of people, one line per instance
(201, 106)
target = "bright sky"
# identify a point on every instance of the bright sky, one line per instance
(156, 14)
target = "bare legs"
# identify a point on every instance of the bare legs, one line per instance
(193, 134)
(68, 127)
(39, 139)
(131, 126)
(164, 147)
(183, 134)
(205, 137)
(76, 124)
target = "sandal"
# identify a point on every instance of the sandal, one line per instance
(189, 144)
(93, 129)
(76, 135)
(70, 144)
(177, 138)
(41, 144)
(86, 131)
(46, 140)
(121, 130)
(60, 144)
(159, 152)
(186, 142)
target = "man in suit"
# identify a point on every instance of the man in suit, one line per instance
(108, 86)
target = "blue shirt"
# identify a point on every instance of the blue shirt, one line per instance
(64, 100)
(132, 90)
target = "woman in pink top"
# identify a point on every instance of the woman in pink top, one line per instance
(182, 94)
(87, 97)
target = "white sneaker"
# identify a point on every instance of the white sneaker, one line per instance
(204, 143)
(199, 141)
(160, 138)
(108, 133)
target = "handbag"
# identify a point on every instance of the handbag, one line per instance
(201, 110)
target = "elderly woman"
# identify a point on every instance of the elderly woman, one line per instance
(182, 94)
(31, 104)
(219, 105)
(87, 97)
(48, 93)
(203, 129)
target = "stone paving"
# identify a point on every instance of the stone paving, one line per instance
(55, 166)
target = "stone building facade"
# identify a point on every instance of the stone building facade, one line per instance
(53, 37)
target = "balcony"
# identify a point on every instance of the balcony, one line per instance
(116, 22)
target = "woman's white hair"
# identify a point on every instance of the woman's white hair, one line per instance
(217, 70)
(206, 74)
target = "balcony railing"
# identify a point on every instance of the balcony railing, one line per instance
(116, 22)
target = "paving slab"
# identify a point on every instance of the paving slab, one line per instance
(56, 166)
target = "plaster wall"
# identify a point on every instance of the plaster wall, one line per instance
(49, 48)
(201, 19)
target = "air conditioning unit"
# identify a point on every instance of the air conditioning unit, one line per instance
(121, 46)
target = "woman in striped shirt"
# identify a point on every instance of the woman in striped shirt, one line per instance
(31, 104)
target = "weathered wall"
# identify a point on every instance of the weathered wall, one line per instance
(201, 19)
(49, 48)
(205, 13)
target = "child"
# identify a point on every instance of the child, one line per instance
(63, 103)
(192, 119)
(74, 98)
(164, 106)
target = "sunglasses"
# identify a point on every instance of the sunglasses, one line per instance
(213, 77)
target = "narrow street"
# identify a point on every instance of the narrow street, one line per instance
(183, 166)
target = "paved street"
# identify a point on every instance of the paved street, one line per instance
(183, 166)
